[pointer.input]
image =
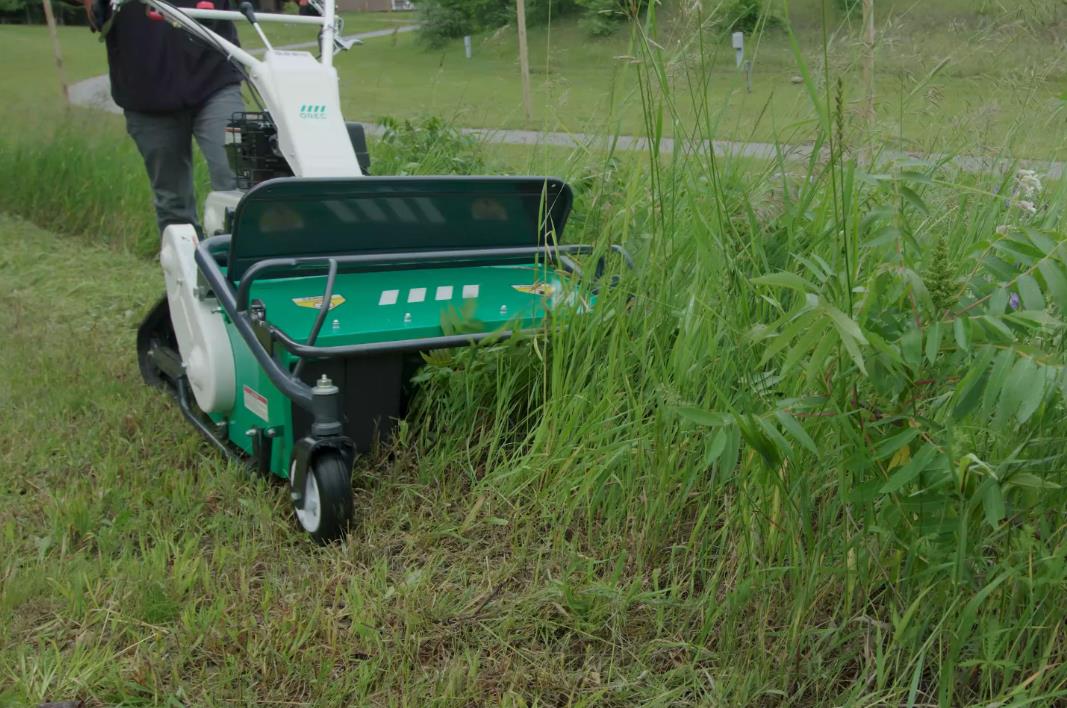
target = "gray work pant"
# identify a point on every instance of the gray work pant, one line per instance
(166, 144)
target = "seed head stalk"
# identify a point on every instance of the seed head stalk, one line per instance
(837, 175)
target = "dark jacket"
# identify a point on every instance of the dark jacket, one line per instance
(157, 68)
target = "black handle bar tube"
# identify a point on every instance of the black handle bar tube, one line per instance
(324, 309)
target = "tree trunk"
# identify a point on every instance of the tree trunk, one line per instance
(524, 56)
(51, 20)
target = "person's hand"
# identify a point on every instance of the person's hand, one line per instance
(88, 4)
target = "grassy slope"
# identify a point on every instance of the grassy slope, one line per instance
(136, 566)
(29, 74)
(998, 89)
(998, 79)
(580, 548)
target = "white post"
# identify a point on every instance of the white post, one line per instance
(524, 57)
(868, 57)
(467, 46)
(739, 47)
(51, 20)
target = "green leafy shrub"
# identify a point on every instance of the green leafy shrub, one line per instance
(442, 20)
(426, 146)
(749, 15)
(848, 6)
(602, 17)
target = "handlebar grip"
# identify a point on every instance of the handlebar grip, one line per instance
(248, 11)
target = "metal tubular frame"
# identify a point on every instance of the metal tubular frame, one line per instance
(235, 304)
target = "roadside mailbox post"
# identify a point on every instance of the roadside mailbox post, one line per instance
(738, 40)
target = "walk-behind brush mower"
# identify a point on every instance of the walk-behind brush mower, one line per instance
(289, 332)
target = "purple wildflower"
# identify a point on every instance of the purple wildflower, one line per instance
(1013, 301)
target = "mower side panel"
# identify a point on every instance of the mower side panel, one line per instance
(259, 405)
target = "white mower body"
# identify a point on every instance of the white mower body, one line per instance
(304, 102)
(198, 325)
(303, 99)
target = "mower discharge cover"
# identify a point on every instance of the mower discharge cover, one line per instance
(198, 326)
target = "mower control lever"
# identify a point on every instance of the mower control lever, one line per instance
(250, 14)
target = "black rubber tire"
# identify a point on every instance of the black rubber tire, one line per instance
(329, 472)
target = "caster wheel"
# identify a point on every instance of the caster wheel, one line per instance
(326, 511)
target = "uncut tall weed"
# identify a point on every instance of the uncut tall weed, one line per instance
(79, 177)
(772, 441)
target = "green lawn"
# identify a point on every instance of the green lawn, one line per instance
(29, 81)
(950, 78)
(354, 22)
(136, 567)
(998, 89)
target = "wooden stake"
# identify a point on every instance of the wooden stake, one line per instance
(51, 20)
(868, 58)
(524, 56)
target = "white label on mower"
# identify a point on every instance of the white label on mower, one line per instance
(416, 294)
(444, 292)
(470, 291)
(256, 404)
(388, 297)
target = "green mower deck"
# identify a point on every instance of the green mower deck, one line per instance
(328, 291)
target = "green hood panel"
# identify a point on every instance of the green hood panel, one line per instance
(383, 306)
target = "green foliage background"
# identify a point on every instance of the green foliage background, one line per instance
(448, 19)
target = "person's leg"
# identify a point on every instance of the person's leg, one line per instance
(165, 143)
(209, 126)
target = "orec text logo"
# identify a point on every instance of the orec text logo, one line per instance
(312, 111)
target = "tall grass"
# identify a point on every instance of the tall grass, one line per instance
(824, 440)
(82, 176)
(809, 451)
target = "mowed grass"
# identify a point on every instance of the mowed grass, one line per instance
(137, 567)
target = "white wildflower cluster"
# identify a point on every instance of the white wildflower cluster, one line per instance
(1026, 192)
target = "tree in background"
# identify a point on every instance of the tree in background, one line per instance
(31, 12)
(602, 17)
(442, 20)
